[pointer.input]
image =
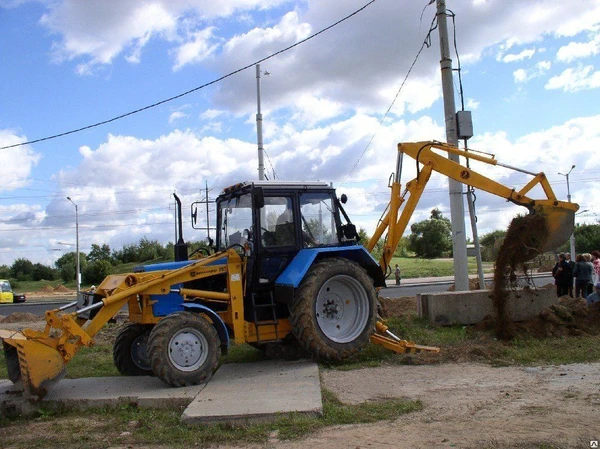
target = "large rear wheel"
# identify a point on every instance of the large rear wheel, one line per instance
(130, 351)
(334, 312)
(183, 349)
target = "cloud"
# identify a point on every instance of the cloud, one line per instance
(524, 75)
(196, 50)
(574, 80)
(525, 54)
(17, 162)
(97, 31)
(176, 116)
(579, 50)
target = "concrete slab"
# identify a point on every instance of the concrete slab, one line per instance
(257, 392)
(144, 391)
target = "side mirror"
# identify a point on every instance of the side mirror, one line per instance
(258, 197)
(194, 211)
(344, 198)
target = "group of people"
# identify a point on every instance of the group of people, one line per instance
(584, 272)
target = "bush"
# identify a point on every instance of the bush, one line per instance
(95, 272)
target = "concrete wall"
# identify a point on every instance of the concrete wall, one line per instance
(473, 306)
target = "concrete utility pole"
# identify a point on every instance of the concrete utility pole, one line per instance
(78, 274)
(457, 207)
(261, 164)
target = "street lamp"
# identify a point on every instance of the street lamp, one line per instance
(77, 245)
(259, 137)
(572, 238)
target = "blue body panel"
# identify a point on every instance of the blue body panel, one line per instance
(296, 270)
(171, 302)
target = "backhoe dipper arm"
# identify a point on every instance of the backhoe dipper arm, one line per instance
(560, 214)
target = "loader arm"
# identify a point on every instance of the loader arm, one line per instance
(560, 214)
(37, 359)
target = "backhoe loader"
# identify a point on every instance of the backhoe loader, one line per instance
(287, 270)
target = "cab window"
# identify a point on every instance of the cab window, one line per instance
(318, 223)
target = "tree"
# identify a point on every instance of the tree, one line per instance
(99, 253)
(43, 273)
(67, 265)
(431, 238)
(587, 238)
(490, 243)
(22, 270)
(95, 272)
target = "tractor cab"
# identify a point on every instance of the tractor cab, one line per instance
(270, 223)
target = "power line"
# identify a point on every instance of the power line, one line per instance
(158, 103)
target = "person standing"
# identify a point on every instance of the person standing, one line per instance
(583, 276)
(594, 297)
(590, 287)
(572, 265)
(397, 274)
(562, 276)
(596, 263)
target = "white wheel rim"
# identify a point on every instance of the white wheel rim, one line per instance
(188, 349)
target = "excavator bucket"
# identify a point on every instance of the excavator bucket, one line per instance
(32, 365)
(561, 221)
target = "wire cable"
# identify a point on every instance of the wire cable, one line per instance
(158, 103)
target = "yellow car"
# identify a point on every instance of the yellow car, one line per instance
(6, 294)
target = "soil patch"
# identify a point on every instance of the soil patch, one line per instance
(21, 317)
(61, 289)
(398, 307)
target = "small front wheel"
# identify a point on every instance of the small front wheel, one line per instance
(183, 349)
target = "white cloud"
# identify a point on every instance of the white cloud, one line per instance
(524, 75)
(525, 54)
(16, 162)
(196, 50)
(579, 50)
(573, 80)
(176, 116)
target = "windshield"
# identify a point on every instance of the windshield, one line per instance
(4, 286)
(318, 218)
(235, 217)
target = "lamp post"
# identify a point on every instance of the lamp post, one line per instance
(572, 238)
(77, 245)
(259, 137)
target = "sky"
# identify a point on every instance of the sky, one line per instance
(334, 107)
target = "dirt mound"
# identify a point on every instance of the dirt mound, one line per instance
(18, 317)
(570, 317)
(61, 289)
(397, 307)
(46, 289)
(473, 285)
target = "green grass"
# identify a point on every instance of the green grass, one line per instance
(413, 267)
(130, 425)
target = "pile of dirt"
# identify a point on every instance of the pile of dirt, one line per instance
(62, 289)
(473, 285)
(46, 289)
(21, 317)
(397, 307)
(570, 317)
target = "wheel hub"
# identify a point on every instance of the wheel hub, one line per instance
(331, 309)
(187, 350)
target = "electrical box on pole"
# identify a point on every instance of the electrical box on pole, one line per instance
(464, 124)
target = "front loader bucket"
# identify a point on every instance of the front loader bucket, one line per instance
(31, 365)
(561, 221)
